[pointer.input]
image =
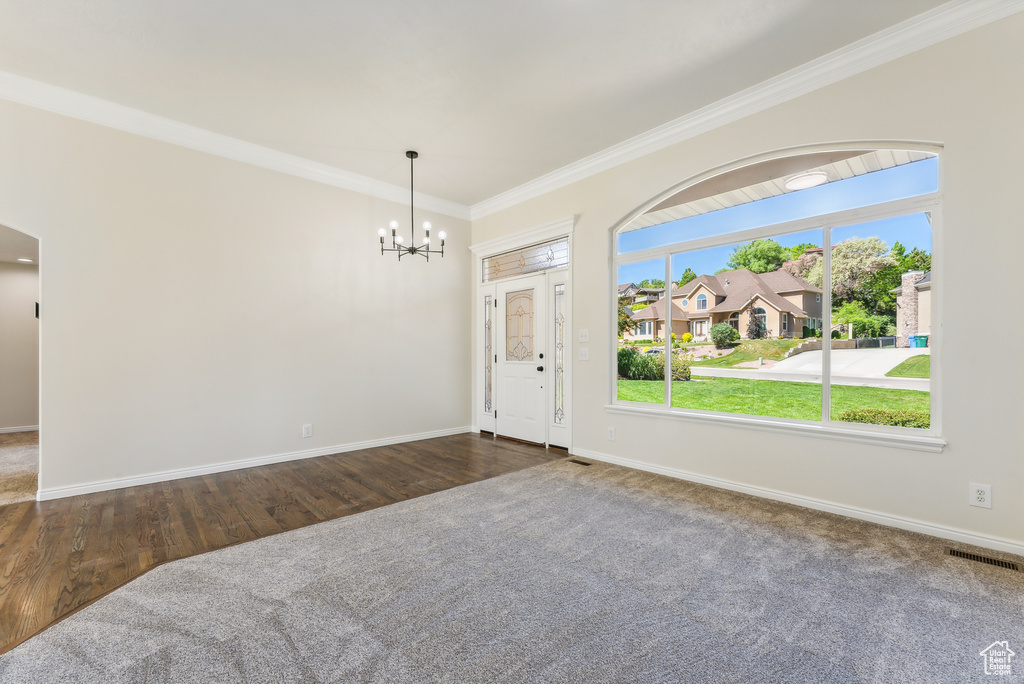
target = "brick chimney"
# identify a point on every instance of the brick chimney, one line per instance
(906, 308)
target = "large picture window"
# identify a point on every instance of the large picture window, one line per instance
(734, 267)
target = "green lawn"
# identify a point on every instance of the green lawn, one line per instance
(800, 400)
(915, 367)
(751, 350)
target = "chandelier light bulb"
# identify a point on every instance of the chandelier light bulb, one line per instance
(393, 225)
(426, 226)
(382, 232)
(426, 240)
(442, 235)
(399, 239)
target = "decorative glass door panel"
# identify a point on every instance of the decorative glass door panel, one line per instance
(519, 325)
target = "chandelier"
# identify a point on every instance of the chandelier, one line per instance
(397, 241)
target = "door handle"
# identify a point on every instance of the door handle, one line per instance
(540, 368)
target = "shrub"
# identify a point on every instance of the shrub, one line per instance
(680, 367)
(721, 335)
(735, 334)
(897, 417)
(687, 338)
(808, 332)
(836, 335)
(632, 365)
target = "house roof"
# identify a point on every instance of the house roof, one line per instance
(740, 286)
(656, 311)
(925, 283)
(626, 286)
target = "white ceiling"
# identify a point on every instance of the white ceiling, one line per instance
(491, 94)
(15, 245)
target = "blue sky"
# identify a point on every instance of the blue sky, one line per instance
(882, 186)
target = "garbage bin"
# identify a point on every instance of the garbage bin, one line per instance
(922, 340)
(912, 340)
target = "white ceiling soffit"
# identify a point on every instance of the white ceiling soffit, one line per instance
(452, 172)
(16, 245)
(929, 28)
(773, 175)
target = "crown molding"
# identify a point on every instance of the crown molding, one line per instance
(105, 113)
(549, 231)
(943, 22)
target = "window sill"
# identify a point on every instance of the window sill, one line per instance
(861, 435)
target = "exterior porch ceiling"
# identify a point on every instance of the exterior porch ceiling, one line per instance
(768, 179)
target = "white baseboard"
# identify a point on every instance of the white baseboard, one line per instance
(23, 428)
(955, 534)
(91, 487)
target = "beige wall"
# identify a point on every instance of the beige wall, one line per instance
(19, 345)
(199, 310)
(963, 93)
(924, 311)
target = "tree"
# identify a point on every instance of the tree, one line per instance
(882, 284)
(759, 256)
(854, 264)
(625, 319)
(651, 283)
(755, 326)
(797, 251)
(802, 265)
(687, 276)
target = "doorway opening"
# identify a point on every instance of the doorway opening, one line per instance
(19, 366)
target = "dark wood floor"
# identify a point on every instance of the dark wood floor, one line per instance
(58, 556)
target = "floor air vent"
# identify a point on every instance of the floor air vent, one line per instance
(578, 462)
(984, 559)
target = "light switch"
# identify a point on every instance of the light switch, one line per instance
(584, 336)
(584, 353)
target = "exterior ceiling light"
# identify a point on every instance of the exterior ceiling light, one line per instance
(397, 241)
(27, 261)
(810, 179)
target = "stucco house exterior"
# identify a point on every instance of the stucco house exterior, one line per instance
(786, 302)
(913, 306)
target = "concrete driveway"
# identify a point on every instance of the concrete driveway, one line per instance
(860, 367)
(857, 363)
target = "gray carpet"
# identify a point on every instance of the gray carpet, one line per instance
(19, 466)
(558, 573)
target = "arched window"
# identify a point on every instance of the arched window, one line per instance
(766, 229)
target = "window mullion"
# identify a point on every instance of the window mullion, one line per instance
(826, 331)
(668, 331)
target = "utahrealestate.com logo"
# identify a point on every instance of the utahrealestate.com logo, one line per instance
(997, 658)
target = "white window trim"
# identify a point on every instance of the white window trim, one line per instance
(906, 438)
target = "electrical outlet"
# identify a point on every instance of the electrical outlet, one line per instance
(980, 495)
(584, 335)
(307, 430)
(584, 353)
(611, 434)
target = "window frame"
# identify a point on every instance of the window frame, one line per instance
(908, 438)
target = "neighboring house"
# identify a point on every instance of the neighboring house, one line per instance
(785, 302)
(913, 306)
(630, 294)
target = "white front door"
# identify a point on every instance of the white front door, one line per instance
(521, 359)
